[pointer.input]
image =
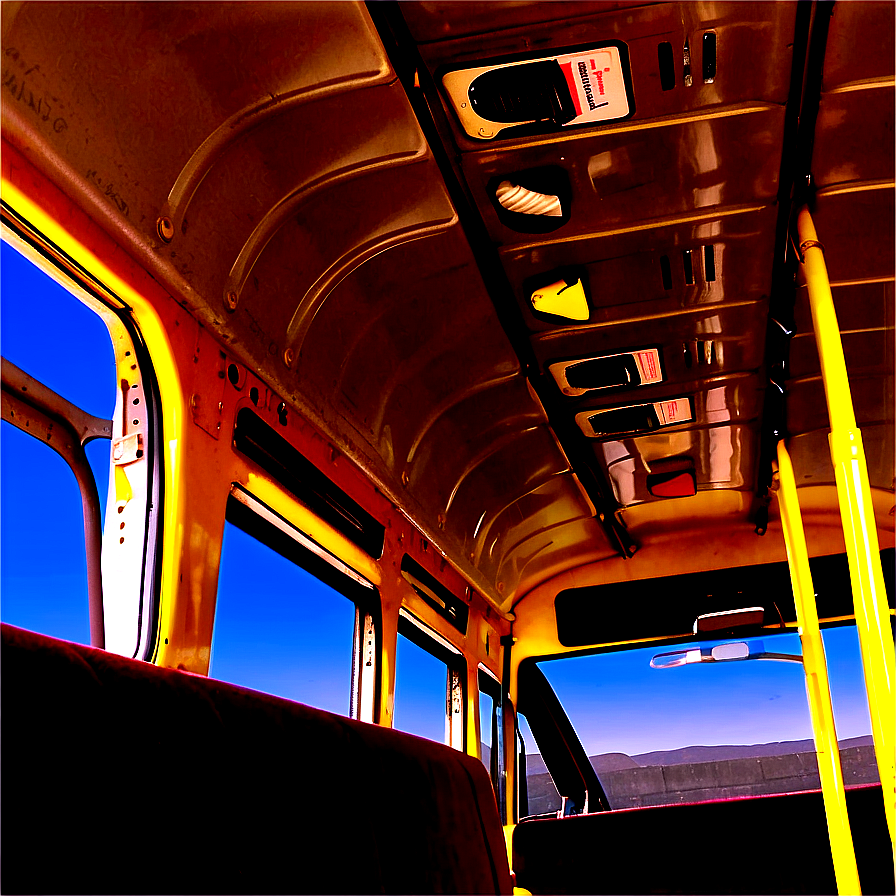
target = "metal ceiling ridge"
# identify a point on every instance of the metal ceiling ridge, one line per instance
(855, 187)
(248, 118)
(496, 445)
(707, 217)
(566, 332)
(631, 126)
(480, 535)
(689, 426)
(816, 378)
(866, 84)
(288, 205)
(572, 472)
(847, 332)
(860, 282)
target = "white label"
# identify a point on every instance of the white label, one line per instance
(648, 366)
(596, 84)
(675, 410)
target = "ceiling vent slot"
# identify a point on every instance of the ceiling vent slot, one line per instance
(709, 263)
(703, 352)
(255, 439)
(623, 370)
(666, 59)
(687, 257)
(636, 418)
(666, 269)
(709, 57)
(604, 373)
(435, 594)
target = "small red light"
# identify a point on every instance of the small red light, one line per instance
(676, 485)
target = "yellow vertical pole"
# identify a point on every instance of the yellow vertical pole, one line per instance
(856, 513)
(817, 687)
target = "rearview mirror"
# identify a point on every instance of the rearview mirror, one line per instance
(721, 653)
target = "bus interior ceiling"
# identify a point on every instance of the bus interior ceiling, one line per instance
(527, 402)
(318, 241)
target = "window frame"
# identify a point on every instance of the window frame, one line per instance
(443, 650)
(261, 522)
(489, 684)
(124, 573)
(550, 721)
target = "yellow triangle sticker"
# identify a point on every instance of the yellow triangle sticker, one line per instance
(562, 300)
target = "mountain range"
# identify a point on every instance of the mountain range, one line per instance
(611, 762)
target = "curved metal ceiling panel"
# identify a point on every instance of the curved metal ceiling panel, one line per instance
(267, 167)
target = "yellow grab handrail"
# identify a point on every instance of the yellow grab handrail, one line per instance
(817, 687)
(856, 513)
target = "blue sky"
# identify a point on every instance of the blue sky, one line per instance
(61, 342)
(280, 630)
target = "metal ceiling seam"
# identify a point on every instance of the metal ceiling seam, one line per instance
(567, 332)
(855, 187)
(644, 124)
(712, 214)
(866, 84)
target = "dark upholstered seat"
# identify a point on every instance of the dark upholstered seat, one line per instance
(120, 777)
(767, 844)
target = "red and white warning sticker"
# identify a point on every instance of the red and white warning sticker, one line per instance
(674, 410)
(648, 363)
(596, 83)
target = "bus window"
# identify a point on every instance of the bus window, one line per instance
(542, 796)
(51, 336)
(692, 731)
(429, 696)
(286, 622)
(489, 700)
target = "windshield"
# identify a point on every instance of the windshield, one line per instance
(704, 730)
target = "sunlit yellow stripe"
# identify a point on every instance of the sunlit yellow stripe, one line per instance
(295, 513)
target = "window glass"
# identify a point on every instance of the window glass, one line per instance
(486, 716)
(420, 691)
(703, 731)
(42, 561)
(58, 340)
(70, 350)
(542, 795)
(279, 629)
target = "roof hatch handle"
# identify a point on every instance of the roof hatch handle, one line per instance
(536, 91)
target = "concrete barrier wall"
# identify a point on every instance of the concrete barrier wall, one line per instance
(720, 779)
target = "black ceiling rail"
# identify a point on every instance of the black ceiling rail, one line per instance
(795, 188)
(423, 94)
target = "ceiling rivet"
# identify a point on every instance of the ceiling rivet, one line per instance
(165, 229)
